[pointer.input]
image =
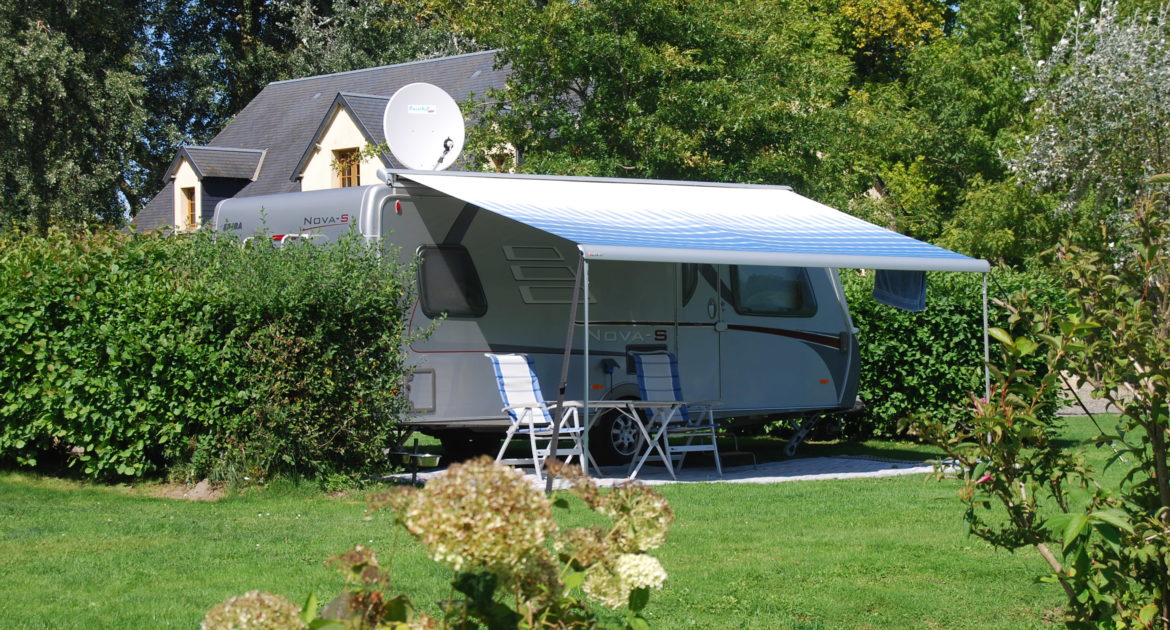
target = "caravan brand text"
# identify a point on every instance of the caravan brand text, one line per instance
(627, 336)
(326, 221)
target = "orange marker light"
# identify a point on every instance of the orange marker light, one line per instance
(824, 381)
(596, 386)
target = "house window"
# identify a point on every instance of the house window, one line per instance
(347, 164)
(189, 207)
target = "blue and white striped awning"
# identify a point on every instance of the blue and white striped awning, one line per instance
(663, 221)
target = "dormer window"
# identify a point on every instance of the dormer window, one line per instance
(188, 201)
(341, 152)
(347, 163)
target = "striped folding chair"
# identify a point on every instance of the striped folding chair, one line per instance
(677, 427)
(531, 416)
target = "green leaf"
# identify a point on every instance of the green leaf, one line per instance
(1000, 335)
(1114, 517)
(1111, 534)
(1146, 614)
(398, 608)
(980, 468)
(1026, 346)
(309, 610)
(1072, 531)
(574, 579)
(1057, 523)
(637, 622)
(639, 597)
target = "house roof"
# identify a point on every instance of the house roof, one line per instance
(285, 116)
(219, 162)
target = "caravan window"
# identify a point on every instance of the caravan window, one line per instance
(774, 291)
(448, 284)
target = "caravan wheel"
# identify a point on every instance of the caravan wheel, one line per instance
(613, 439)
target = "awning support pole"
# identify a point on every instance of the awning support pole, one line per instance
(564, 382)
(986, 346)
(585, 370)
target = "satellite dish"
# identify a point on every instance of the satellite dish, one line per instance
(423, 127)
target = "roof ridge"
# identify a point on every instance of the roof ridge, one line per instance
(212, 147)
(393, 65)
(360, 95)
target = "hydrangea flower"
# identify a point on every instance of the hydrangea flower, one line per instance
(641, 518)
(254, 610)
(638, 570)
(482, 516)
(612, 586)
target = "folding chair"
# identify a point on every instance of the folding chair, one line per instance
(531, 415)
(676, 424)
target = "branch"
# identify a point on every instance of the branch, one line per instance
(1058, 569)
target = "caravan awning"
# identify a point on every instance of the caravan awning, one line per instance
(665, 221)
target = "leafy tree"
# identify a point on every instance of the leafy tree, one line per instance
(884, 31)
(70, 111)
(777, 92)
(668, 88)
(355, 34)
(928, 138)
(204, 60)
(1102, 106)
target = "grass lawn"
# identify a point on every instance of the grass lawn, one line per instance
(865, 553)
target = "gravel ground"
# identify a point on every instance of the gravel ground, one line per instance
(798, 469)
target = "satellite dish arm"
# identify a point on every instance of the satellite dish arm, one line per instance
(448, 144)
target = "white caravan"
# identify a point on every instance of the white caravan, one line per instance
(763, 332)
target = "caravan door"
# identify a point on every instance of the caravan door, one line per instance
(780, 339)
(697, 316)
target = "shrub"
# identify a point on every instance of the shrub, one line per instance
(512, 564)
(929, 362)
(127, 355)
(1105, 542)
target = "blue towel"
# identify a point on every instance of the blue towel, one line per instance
(902, 289)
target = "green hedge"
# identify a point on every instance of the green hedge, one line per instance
(929, 362)
(130, 355)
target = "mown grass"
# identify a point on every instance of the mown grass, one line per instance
(865, 553)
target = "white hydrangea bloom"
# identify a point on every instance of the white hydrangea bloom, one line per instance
(638, 570)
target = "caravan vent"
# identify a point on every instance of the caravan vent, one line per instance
(550, 295)
(532, 252)
(542, 272)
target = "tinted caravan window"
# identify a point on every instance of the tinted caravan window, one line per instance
(448, 284)
(774, 291)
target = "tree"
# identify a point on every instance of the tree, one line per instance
(1102, 109)
(668, 88)
(885, 31)
(70, 112)
(1106, 546)
(355, 34)
(204, 60)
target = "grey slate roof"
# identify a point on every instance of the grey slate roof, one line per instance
(219, 162)
(367, 111)
(285, 116)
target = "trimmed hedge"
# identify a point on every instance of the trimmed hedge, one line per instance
(930, 362)
(130, 355)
